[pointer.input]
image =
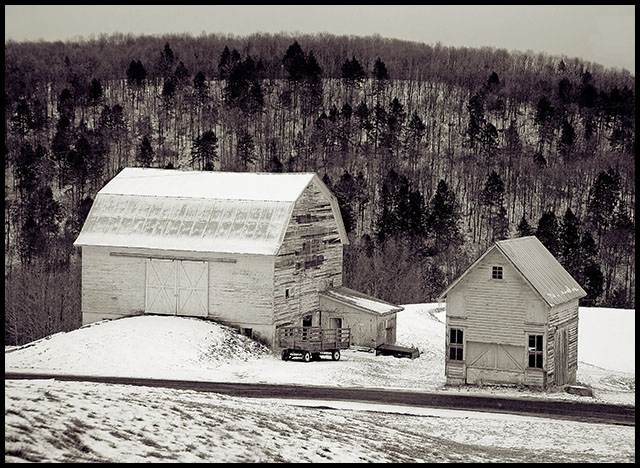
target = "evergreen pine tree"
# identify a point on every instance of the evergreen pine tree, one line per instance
(547, 232)
(444, 218)
(570, 254)
(524, 228)
(145, 152)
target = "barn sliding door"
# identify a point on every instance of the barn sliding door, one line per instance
(193, 280)
(161, 287)
(177, 287)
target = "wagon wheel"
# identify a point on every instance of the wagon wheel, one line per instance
(306, 356)
(285, 354)
(335, 355)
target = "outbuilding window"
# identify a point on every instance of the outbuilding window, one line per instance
(535, 351)
(455, 344)
(496, 272)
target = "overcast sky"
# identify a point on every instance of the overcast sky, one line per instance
(603, 34)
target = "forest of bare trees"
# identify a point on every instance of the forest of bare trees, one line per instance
(433, 152)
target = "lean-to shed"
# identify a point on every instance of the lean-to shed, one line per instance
(253, 250)
(512, 317)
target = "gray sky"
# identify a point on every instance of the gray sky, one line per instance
(603, 34)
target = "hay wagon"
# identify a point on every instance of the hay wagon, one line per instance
(312, 342)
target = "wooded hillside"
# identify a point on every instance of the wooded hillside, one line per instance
(432, 151)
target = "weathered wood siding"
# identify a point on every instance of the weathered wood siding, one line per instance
(563, 317)
(367, 329)
(496, 316)
(240, 287)
(309, 260)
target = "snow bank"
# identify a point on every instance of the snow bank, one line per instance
(144, 346)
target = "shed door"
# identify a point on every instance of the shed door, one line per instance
(161, 287)
(561, 344)
(193, 280)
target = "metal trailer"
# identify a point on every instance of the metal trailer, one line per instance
(311, 342)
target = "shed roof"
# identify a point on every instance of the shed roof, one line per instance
(198, 211)
(361, 301)
(538, 267)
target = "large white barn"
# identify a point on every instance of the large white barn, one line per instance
(253, 250)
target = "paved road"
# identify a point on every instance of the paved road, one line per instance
(562, 409)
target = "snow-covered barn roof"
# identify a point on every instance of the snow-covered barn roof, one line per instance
(538, 267)
(198, 211)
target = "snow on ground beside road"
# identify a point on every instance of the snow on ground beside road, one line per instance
(195, 349)
(53, 421)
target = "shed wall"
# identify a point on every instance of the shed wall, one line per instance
(367, 329)
(563, 316)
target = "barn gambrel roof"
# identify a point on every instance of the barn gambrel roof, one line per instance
(537, 266)
(198, 211)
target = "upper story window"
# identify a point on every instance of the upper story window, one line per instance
(496, 272)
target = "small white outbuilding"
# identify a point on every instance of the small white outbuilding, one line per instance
(512, 317)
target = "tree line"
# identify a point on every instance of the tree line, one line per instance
(430, 162)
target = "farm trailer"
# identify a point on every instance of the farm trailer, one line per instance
(311, 342)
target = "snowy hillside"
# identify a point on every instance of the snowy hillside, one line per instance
(189, 348)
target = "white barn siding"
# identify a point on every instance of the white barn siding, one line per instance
(240, 293)
(112, 287)
(239, 286)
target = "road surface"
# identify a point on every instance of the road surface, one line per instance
(541, 407)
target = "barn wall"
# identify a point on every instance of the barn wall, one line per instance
(309, 260)
(239, 286)
(367, 329)
(112, 287)
(496, 314)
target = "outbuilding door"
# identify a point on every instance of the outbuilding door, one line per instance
(561, 345)
(177, 287)
(493, 362)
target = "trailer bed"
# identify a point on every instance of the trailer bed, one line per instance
(311, 342)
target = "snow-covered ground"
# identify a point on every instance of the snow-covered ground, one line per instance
(48, 420)
(55, 421)
(194, 349)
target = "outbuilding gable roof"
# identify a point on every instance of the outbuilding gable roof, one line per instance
(538, 267)
(198, 211)
(361, 301)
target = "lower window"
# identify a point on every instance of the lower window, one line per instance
(455, 344)
(535, 351)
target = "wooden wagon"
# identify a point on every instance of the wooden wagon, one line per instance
(311, 342)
